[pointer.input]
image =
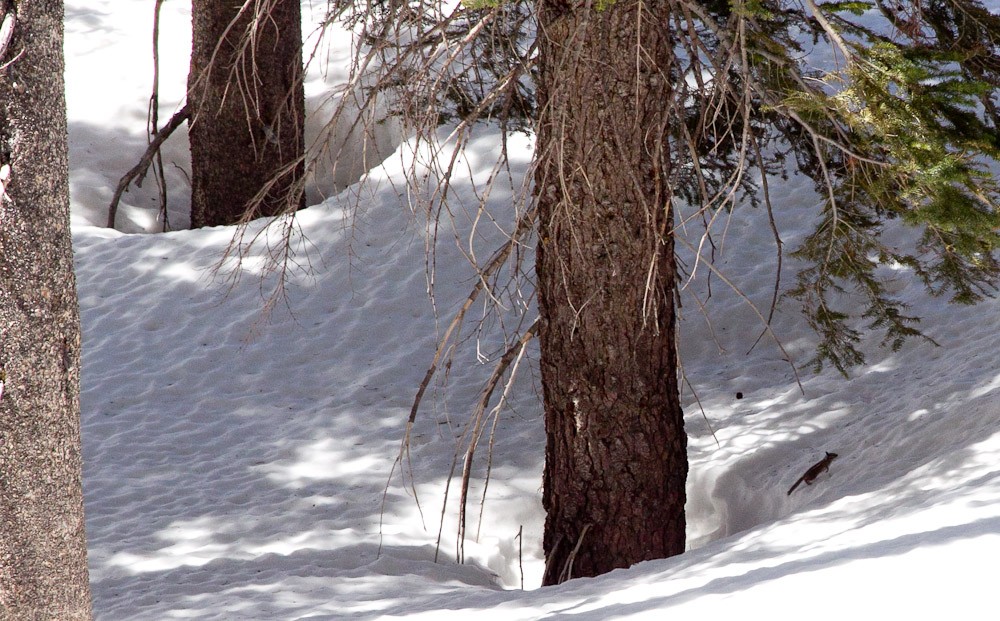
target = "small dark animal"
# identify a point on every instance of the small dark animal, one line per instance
(814, 471)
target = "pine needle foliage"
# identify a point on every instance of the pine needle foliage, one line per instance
(892, 111)
(906, 129)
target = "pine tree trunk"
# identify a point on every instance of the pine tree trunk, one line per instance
(616, 459)
(247, 108)
(43, 551)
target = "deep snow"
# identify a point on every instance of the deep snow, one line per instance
(235, 465)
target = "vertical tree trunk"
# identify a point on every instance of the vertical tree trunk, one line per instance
(43, 551)
(616, 459)
(247, 106)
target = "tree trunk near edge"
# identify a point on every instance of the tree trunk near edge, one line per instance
(247, 109)
(43, 550)
(616, 452)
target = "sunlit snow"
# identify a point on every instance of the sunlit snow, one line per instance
(237, 463)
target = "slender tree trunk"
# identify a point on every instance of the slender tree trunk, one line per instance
(247, 104)
(43, 551)
(616, 459)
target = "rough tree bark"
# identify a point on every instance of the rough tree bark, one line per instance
(247, 104)
(616, 459)
(43, 552)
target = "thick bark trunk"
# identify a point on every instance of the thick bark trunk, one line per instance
(616, 459)
(43, 550)
(247, 109)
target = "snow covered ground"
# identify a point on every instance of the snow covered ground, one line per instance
(237, 467)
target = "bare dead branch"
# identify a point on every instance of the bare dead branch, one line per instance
(760, 316)
(513, 355)
(153, 118)
(766, 191)
(139, 170)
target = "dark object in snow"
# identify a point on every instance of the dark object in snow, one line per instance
(814, 471)
(739, 395)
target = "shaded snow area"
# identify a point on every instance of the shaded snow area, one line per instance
(236, 463)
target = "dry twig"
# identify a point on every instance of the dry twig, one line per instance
(138, 171)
